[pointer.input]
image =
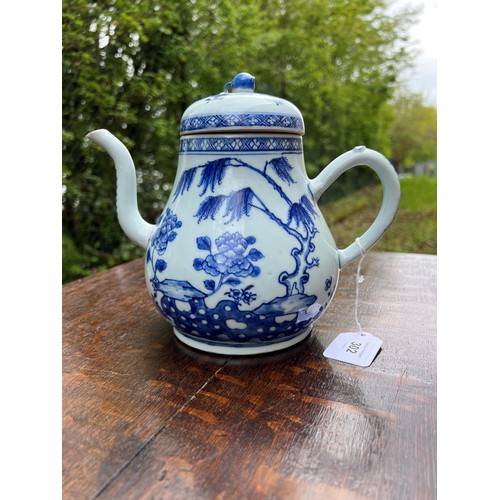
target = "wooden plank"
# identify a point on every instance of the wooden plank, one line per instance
(124, 377)
(287, 425)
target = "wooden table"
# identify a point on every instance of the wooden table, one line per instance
(145, 416)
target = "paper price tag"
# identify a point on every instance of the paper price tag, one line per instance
(354, 348)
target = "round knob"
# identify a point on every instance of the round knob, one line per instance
(243, 82)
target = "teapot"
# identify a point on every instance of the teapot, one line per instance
(241, 260)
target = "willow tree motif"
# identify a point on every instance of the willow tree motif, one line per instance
(238, 204)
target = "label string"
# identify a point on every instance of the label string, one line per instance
(359, 279)
(356, 348)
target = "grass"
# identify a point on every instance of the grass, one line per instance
(414, 229)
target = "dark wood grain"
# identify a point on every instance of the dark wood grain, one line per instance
(146, 417)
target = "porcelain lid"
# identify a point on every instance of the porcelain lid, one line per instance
(242, 110)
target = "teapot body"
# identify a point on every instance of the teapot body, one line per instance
(241, 260)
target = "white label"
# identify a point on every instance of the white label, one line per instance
(354, 348)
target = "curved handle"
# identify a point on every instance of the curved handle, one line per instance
(390, 202)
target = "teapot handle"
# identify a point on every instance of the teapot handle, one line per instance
(390, 202)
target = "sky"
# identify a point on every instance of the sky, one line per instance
(423, 77)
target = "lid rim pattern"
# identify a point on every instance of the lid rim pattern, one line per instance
(241, 120)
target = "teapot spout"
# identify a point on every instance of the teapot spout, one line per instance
(134, 226)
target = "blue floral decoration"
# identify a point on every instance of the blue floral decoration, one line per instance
(165, 232)
(241, 295)
(230, 258)
(328, 283)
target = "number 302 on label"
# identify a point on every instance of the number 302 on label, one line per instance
(354, 348)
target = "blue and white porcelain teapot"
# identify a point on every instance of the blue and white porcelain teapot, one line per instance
(241, 260)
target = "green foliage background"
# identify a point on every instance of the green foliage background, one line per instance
(133, 67)
(414, 228)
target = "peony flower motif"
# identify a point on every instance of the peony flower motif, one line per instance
(230, 258)
(165, 232)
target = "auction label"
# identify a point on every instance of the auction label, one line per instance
(354, 348)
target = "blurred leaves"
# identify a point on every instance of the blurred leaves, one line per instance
(414, 131)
